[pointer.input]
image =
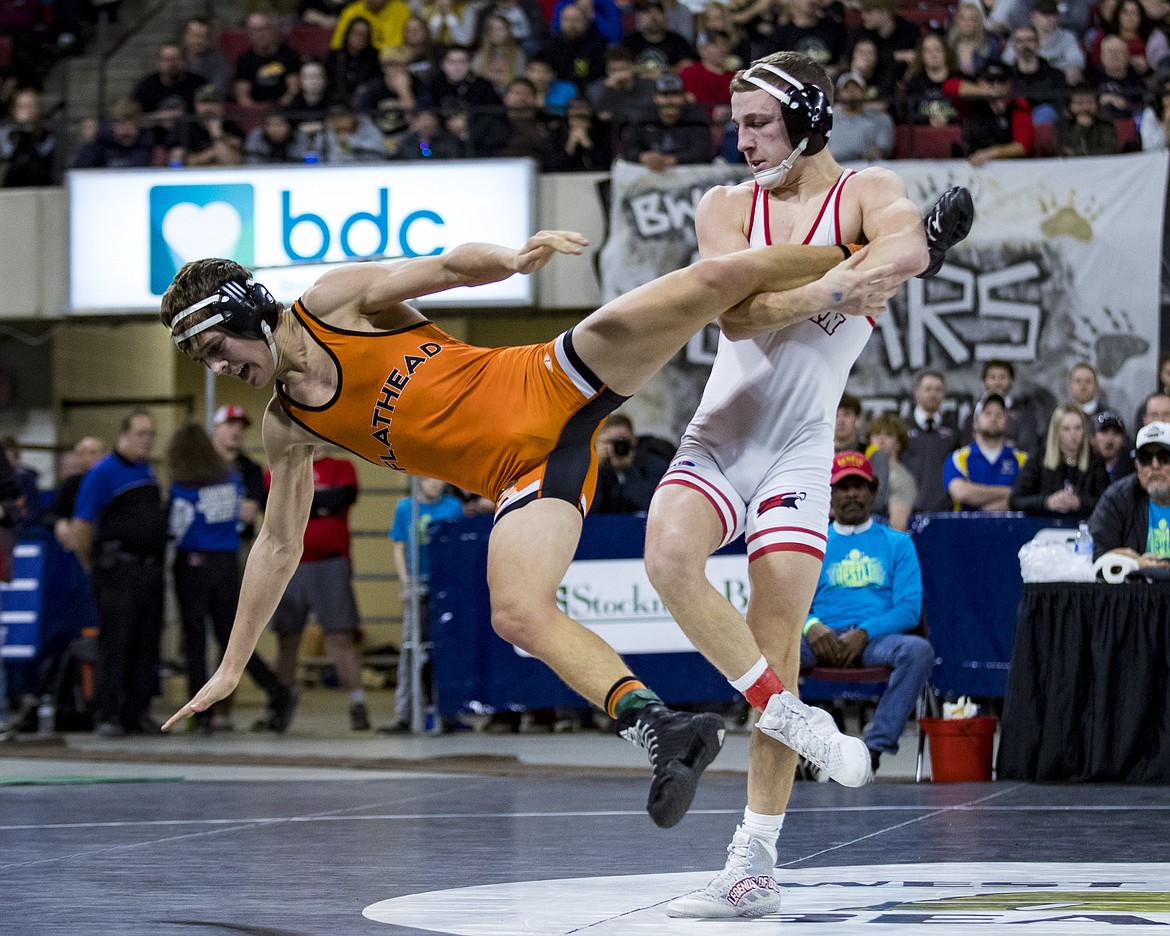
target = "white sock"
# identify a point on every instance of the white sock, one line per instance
(745, 681)
(761, 826)
(357, 696)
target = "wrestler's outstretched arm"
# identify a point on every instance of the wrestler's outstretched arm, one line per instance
(377, 287)
(274, 556)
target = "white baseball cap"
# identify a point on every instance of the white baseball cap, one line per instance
(1156, 432)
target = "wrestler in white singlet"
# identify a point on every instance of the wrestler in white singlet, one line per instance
(760, 444)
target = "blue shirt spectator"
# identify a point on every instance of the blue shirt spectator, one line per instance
(206, 519)
(868, 597)
(980, 476)
(433, 506)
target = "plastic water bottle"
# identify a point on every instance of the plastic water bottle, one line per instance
(46, 716)
(1083, 544)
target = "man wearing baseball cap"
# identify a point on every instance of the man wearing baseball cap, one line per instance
(979, 476)
(1108, 440)
(868, 597)
(1133, 516)
(229, 434)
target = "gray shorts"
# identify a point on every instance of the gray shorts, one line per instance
(323, 587)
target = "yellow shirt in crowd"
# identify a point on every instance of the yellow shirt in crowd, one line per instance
(385, 25)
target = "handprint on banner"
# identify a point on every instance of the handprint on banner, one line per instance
(1070, 219)
(1110, 343)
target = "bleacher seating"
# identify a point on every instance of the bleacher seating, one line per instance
(1127, 136)
(924, 142)
(232, 43)
(248, 116)
(1044, 140)
(310, 42)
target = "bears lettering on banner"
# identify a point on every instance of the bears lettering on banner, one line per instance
(1063, 265)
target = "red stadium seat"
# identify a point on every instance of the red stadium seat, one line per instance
(923, 142)
(310, 42)
(248, 116)
(5, 51)
(926, 16)
(1044, 140)
(1127, 135)
(232, 42)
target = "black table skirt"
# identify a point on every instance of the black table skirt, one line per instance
(1088, 693)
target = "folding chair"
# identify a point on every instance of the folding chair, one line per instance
(863, 683)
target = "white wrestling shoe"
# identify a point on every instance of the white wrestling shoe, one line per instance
(746, 887)
(813, 733)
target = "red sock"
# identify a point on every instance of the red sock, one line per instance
(759, 684)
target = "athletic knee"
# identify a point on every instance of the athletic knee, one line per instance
(517, 620)
(673, 566)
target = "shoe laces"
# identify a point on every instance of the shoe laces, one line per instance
(806, 739)
(737, 867)
(645, 737)
(739, 855)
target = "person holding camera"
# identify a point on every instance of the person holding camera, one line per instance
(627, 475)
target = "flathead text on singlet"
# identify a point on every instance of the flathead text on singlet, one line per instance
(391, 394)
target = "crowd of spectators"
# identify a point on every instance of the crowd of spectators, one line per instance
(374, 80)
(1015, 450)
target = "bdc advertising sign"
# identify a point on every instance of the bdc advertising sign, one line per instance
(131, 230)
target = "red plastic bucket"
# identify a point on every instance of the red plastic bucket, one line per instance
(960, 748)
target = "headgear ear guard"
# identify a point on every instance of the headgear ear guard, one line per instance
(246, 309)
(808, 118)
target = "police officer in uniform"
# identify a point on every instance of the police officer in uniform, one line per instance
(120, 529)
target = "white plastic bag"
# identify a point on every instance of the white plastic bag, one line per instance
(1048, 558)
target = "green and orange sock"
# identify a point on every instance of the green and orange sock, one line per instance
(628, 693)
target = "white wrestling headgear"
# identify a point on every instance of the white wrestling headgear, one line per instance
(808, 117)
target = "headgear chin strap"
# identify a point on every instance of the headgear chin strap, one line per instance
(807, 114)
(773, 178)
(243, 309)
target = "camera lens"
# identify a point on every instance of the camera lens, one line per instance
(621, 447)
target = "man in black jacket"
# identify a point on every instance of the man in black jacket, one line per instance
(672, 135)
(1133, 516)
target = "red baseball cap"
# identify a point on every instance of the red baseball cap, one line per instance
(851, 463)
(229, 412)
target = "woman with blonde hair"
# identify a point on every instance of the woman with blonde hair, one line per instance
(499, 58)
(968, 38)
(1069, 478)
(897, 489)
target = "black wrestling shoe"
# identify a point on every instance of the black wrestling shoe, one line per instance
(680, 747)
(947, 223)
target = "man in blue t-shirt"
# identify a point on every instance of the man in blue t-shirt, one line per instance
(868, 597)
(979, 476)
(120, 531)
(434, 504)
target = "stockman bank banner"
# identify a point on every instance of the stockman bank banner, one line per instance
(615, 600)
(1063, 265)
(130, 230)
